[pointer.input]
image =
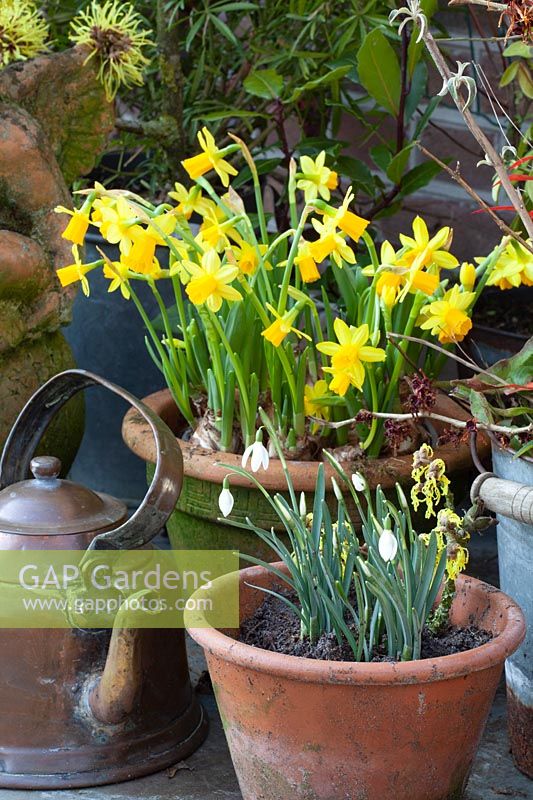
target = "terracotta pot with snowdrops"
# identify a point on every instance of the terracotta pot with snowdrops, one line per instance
(300, 322)
(349, 704)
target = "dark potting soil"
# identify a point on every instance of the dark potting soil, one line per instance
(275, 627)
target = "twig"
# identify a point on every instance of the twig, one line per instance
(458, 423)
(455, 174)
(497, 163)
(470, 364)
(486, 3)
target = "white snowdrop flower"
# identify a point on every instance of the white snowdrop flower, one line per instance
(303, 505)
(359, 482)
(258, 453)
(387, 545)
(226, 501)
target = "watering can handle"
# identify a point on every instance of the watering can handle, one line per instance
(166, 484)
(508, 498)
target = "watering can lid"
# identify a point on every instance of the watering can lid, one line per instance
(48, 505)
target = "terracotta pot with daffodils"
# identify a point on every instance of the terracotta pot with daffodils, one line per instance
(349, 703)
(311, 323)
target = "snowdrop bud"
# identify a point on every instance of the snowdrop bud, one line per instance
(225, 499)
(283, 511)
(303, 505)
(336, 489)
(387, 545)
(359, 482)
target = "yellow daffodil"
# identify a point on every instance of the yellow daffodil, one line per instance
(421, 251)
(447, 318)
(216, 230)
(210, 158)
(190, 201)
(306, 263)
(210, 281)
(349, 223)
(117, 274)
(75, 272)
(313, 400)
(140, 257)
(514, 267)
(467, 276)
(331, 243)
(77, 226)
(282, 326)
(348, 356)
(115, 219)
(395, 281)
(247, 256)
(315, 178)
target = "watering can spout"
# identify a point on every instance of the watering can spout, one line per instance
(113, 697)
(508, 498)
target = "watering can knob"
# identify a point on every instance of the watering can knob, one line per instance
(47, 467)
(508, 498)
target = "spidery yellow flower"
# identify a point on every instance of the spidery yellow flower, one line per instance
(247, 258)
(331, 243)
(210, 158)
(140, 256)
(431, 483)
(113, 34)
(115, 219)
(348, 356)
(23, 31)
(447, 318)
(210, 281)
(315, 179)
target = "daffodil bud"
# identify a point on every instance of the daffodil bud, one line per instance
(303, 505)
(467, 275)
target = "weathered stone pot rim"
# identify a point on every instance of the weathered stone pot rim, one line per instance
(310, 670)
(205, 465)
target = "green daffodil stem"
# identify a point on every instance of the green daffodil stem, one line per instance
(289, 373)
(374, 424)
(371, 250)
(241, 382)
(182, 401)
(282, 305)
(214, 349)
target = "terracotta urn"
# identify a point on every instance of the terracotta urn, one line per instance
(54, 120)
(195, 524)
(325, 730)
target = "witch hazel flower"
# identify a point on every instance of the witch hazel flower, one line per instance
(257, 453)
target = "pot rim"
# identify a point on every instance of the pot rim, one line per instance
(205, 464)
(310, 670)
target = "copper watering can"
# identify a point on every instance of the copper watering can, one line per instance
(77, 707)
